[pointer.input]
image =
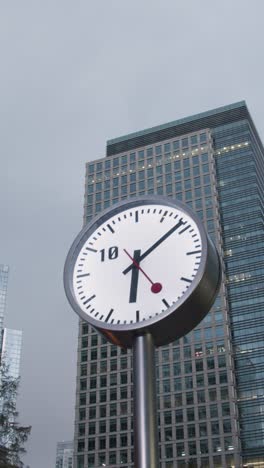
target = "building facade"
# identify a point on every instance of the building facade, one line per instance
(209, 383)
(10, 340)
(64, 455)
(11, 350)
(3, 293)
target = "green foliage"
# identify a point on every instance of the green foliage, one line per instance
(12, 435)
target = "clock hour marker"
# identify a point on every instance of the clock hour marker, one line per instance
(109, 315)
(186, 279)
(110, 228)
(194, 252)
(137, 315)
(136, 216)
(91, 250)
(165, 303)
(84, 274)
(89, 299)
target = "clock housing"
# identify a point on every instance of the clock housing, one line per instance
(145, 265)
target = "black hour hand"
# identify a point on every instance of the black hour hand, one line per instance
(134, 278)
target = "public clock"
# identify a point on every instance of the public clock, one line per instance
(144, 265)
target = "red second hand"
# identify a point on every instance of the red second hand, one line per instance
(155, 287)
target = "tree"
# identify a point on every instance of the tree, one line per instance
(12, 435)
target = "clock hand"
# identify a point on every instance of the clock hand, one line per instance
(155, 287)
(156, 244)
(134, 279)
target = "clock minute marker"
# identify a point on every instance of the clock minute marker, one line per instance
(109, 315)
(89, 299)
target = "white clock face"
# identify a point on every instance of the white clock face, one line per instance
(137, 264)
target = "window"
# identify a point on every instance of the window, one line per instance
(188, 382)
(92, 412)
(191, 430)
(112, 425)
(188, 367)
(168, 451)
(113, 411)
(179, 433)
(213, 411)
(225, 409)
(102, 396)
(200, 380)
(112, 441)
(201, 412)
(212, 394)
(179, 415)
(203, 429)
(123, 440)
(211, 378)
(167, 417)
(177, 385)
(112, 458)
(190, 414)
(91, 444)
(123, 424)
(149, 151)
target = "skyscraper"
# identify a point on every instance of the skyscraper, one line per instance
(10, 340)
(3, 293)
(64, 455)
(209, 383)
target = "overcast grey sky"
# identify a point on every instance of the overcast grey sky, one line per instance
(73, 74)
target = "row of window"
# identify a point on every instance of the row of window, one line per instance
(166, 164)
(114, 460)
(167, 418)
(145, 185)
(124, 363)
(176, 169)
(166, 401)
(176, 145)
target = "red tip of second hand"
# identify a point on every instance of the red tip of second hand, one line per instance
(156, 288)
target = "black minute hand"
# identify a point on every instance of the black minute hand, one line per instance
(157, 243)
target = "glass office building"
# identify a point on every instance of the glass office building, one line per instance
(11, 350)
(3, 292)
(64, 455)
(210, 384)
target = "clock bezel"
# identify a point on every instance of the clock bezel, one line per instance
(194, 296)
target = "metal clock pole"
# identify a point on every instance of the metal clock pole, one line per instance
(145, 419)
